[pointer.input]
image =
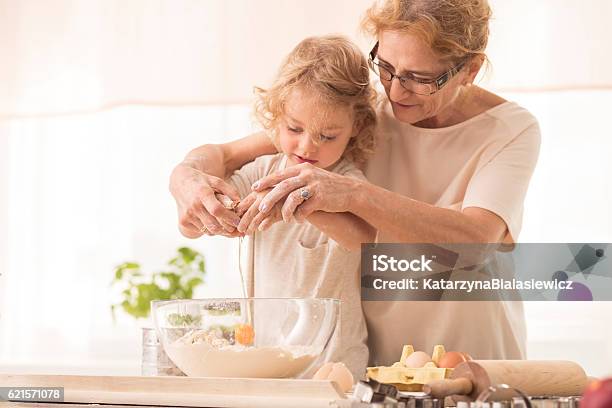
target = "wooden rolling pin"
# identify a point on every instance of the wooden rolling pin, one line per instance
(545, 378)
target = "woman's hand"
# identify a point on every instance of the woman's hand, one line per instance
(251, 218)
(200, 212)
(327, 191)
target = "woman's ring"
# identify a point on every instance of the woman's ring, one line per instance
(305, 194)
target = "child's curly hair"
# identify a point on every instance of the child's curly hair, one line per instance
(335, 69)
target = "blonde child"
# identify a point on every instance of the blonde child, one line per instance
(318, 112)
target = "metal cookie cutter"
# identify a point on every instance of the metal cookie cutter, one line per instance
(422, 402)
(373, 392)
(522, 399)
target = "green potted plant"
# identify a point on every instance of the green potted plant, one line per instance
(184, 273)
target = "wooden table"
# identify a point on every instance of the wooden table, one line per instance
(117, 391)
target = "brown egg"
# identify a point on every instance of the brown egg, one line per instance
(451, 359)
(323, 371)
(336, 372)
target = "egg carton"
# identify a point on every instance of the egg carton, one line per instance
(407, 378)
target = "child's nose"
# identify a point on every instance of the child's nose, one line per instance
(307, 144)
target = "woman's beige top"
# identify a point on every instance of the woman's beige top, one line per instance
(298, 260)
(487, 162)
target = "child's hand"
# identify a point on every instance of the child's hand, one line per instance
(231, 205)
(251, 219)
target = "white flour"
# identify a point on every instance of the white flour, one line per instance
(201, 359)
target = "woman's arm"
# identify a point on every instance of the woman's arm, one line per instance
(195, 180)
(406, 220)
(346, 229)
(221, 160)
(398, 218)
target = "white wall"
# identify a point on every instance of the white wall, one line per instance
(3, 217)
(569, 200)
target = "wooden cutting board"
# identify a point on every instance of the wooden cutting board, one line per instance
(187, 391)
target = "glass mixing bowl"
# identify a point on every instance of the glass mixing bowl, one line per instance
(249, 338)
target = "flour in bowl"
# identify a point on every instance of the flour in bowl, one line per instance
(205, 354)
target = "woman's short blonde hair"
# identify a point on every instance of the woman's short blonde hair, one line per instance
(334, 69)
(454, 29)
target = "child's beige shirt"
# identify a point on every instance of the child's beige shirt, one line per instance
(298, 260)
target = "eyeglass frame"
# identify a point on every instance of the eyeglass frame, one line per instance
(439, 81)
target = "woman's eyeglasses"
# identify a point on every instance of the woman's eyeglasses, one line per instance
(419, 86)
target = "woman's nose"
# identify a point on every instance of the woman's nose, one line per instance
(397, 91)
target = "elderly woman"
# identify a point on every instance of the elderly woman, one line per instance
(452, 165)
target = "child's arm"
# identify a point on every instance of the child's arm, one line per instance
(346, 229)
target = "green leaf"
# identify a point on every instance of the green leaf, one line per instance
(188, 254)
(138, 289)
(129, 267)
(193, 282)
